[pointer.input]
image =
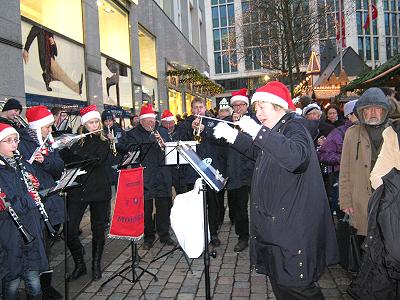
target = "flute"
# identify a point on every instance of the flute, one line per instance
(26, 236)
(34, 194)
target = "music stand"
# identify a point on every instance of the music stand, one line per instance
(66, 183)
(214, 180)
(130, 161)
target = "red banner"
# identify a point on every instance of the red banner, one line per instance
(128, 216)
(374, 16)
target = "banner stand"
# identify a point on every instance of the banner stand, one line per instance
(135, 258)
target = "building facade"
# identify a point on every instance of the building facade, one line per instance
(112, 53)
(228, 17)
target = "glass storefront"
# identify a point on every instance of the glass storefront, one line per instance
(175, 102)
(189, 98)
(148, 58)
(150, 91)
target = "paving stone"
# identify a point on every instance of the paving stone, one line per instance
(169, 293)
(117, 296)
(326, 283)
(183, 296)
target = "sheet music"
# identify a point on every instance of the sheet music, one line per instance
(171, 154)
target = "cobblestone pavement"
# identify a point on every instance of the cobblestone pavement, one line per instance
(229, 273)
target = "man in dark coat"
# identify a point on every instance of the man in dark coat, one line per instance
(292, 233)
(157, 176)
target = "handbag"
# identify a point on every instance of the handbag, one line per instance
(348, 244)
(354, 251)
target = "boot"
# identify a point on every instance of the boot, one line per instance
(80, 267)
(36, 297)
(48, 291)
(97, 252)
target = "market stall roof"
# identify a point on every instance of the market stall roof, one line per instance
(352, 65)
(387, 74)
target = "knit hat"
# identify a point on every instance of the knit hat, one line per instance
(107, 115)
(311, 107)
(39, 116)
(147, 112)
(167, 116)
(6, 130)
(89, 112)
(349, 107)
(274, 92)
(12, 104)
(240, 95)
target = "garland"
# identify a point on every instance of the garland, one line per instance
(198, 80)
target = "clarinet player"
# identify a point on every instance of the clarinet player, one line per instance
(95, 192)
(24, 261)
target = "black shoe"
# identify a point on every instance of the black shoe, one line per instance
(51, 293)
(168, 242)
(215, 241)
(80, 85)
(147, 245)
(97, 252)
(241, 245)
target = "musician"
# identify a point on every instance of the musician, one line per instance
(95, 192)
(293, 235)
(157, 176)
(48, 168)
(11, 109)
(239, 171)
(206, 148)
(24, 261)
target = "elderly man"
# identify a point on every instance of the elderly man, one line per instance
(361, 146)
(292, 233)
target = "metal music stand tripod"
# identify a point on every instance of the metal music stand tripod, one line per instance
(130, 161)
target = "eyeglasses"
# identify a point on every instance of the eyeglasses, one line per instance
(239, 105)
(11, 141)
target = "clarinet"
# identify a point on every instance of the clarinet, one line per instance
(26, 236)
(32, 190)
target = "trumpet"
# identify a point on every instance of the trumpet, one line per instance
(113, 147)
(26, 236)
(197, 130)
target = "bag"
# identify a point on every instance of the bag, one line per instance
(354, 251)
(348, 244)
(187, 221)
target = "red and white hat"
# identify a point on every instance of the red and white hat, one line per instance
(89, 112)
(6, 130)
(167, 116)
(240, 95)
(274, 92)
(147, 112)
(39, 116)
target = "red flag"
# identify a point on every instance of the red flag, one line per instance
(374, 16)
(128, 217)
(343, 31)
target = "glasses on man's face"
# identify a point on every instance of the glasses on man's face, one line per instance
(11, 141)
(239, 105)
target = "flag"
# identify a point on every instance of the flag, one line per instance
(343, 31)
(374, 16)
(128, 216)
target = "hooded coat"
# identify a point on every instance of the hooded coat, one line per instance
(357, 161)
(292, 232)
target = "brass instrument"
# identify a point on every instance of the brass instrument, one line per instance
(197, 130)
(113, 147)
(26, 236)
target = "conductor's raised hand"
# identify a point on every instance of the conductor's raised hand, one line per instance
(249, 126)
(223, 130)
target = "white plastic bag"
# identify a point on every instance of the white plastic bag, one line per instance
(187, 221)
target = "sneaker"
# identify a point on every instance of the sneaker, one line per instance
(241, 245)
(215, 241)
(147, 245)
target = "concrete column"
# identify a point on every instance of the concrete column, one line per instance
(135, 54)
(94, 86)
(12, 83)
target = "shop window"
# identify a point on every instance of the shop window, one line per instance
(150, 91)
(114, 31)
(147, 47)
(189, 98)
(64, 17)
(175, 102)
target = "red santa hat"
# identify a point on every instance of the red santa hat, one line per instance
(89, 112)
(147, 112)
(39, 116)
(6, 130)
(274, 92)
(167, 116)
(240, 95)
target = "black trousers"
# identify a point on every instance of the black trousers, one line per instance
(240, 201)
(160, 223)
(98, 219)
(310, 292)
(212, 209)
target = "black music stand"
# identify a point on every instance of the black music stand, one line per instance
(66, 183)
(128, 162)
(214, 180)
